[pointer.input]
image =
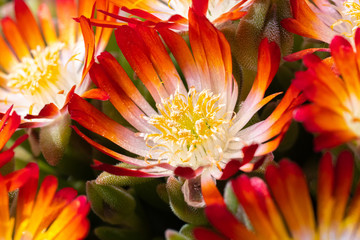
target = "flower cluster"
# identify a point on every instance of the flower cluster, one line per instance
(173, 108)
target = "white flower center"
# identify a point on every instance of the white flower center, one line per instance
(33, 75)
(42, 78)
(351, 18)
(193, 128)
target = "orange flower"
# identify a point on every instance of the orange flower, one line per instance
(174, 13)
(287, 211)
(335, 100)
(8, 125)
(195, 126)
(43, 59)
(45, 215)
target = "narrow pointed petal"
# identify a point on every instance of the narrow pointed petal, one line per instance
(27, 25)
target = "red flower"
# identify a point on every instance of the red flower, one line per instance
(195, 126)
(322, 20)
(8, 125)
(335, 100)
(287, 212)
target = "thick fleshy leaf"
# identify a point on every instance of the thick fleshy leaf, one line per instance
(54, 139)
(110, 199)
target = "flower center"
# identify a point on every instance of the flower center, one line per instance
(351, 14)
(193, 129)
(34, 75)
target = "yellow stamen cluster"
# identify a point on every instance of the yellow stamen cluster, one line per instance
(352, 10)
(191, 126)
(34, 74)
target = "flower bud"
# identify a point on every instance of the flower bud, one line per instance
(112, 204)
(262, 21)
(54, 138)
(180, 207)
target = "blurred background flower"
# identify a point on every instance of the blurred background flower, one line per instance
(286, 212)
(47, 214)
(323, 19)
(333, 113)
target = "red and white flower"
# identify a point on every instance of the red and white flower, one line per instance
(43, 59)
(195, 126)
(287, 212)
(323, 19)
(334, 95)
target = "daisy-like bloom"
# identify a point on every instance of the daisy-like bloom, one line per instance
(324, 19)
(47, 214)
(174, 13)
(286, 212)
(195, 126)
(42, 59)
(334, 94)
(9, 122)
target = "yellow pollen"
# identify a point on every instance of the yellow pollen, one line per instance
(352, 10)
(186, 124)
(34, 74)
(170, 5)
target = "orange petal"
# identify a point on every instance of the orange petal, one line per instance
(86, 8)
(66, 10)
(92, 119)
(122, 102)
(8, 59)
(183, 56)
(135, 53)
(27, 25)
(6, 132)
(121, 80)
(89, 40)
(324, 196)
(252, 194)
(161, 60)
(47, 24)
(43, 200)
(5, 227)
(14, 37)
(26, 196)
(345, 60)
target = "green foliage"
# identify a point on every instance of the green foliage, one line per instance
(112, 204)
(180, 207)
(54, 139)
